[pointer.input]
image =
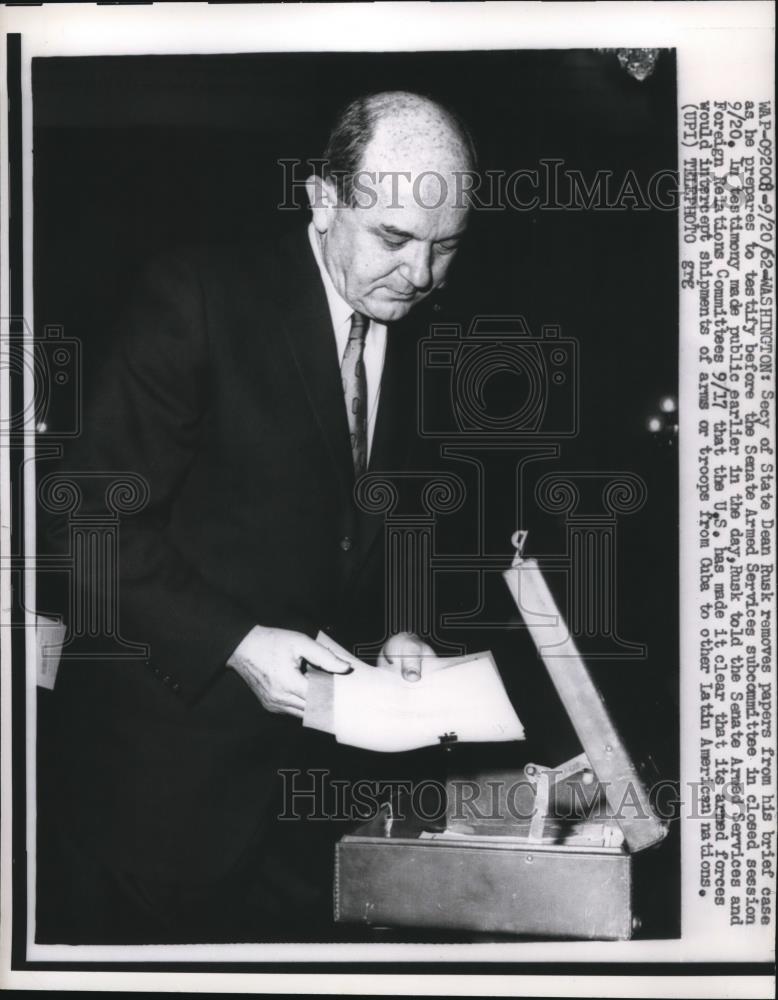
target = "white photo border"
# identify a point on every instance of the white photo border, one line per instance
(710, 39)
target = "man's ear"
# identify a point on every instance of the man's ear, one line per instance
(323, 199)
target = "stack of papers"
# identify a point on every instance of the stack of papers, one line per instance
(457, 699)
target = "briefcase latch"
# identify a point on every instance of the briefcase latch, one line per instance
(543, 779)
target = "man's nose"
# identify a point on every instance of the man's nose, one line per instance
(417, 267)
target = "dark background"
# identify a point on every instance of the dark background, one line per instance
(133, 155)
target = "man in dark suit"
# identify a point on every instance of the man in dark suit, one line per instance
(251, 389)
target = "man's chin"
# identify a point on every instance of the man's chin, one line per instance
(392, 310)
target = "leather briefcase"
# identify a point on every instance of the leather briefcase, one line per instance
(545, 852)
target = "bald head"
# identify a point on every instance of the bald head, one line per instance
(396, 131)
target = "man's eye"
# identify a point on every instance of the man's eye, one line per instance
(446, 247)
(393, 244)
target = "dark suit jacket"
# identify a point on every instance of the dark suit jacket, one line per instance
(225, 395)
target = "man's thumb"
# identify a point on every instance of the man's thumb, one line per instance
(325, 660)
(410, 665)
(411, 668)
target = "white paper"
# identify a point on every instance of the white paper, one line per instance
(376, 709)
(49, 639)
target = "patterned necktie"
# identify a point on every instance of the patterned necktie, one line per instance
(352, 372)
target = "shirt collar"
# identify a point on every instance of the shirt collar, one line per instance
(340, 310)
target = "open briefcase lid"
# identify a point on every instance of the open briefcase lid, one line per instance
(626, 796)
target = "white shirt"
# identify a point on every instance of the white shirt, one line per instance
(375, 339)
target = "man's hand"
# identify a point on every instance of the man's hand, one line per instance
(405, 654)
(270, 661)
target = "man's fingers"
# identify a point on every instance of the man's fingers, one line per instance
(410, 668)
(322, 658)
(284, 700)
(280, 708)
(285, 685)
(396, 645)
(413, 657)
(405, 652)
(425, 649)
(291, 698)
(296, 708)
(294, 686)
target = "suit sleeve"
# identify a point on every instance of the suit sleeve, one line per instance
(145, 419)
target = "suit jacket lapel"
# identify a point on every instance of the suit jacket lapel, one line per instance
(308, 328)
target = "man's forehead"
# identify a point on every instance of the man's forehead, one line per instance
(414, 164)
(414, 144)
(414, 161)
(420, 199)
(406, 214)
